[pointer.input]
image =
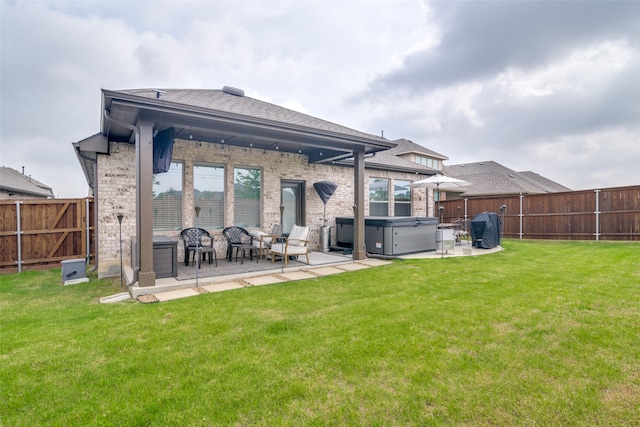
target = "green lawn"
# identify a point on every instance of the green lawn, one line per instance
(543, 333)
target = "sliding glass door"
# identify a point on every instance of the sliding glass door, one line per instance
(292, 204)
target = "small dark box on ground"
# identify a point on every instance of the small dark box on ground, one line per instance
(73, 269)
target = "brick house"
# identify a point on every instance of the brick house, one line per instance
(160, 153)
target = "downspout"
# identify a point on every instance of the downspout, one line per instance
(95, 213)
(136, 132)
(87, 231)
(123, 124)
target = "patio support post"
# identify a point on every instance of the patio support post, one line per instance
(144, 203)
(359, 251)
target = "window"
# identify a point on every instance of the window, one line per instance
(378, 197)
(208, 193)
(167, 199)
(428, 162)
(402, 198)
(247, 197)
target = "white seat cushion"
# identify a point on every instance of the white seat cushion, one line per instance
(257, 234)
(298, 236)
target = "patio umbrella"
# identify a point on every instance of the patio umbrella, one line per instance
(325, 190)
(440, 182)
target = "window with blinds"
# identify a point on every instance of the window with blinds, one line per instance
(401, 198)
(378, 197)
(208, 193)
(247, 197)
(167, 199)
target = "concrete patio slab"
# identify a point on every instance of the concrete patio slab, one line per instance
(170, 289)
(298, 275)
(263, 280)
(225, 286)
(177, 294)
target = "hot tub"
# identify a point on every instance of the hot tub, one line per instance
(391, 235)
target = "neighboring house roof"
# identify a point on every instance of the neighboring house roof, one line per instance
(13, 181)
(546, 183)
(386, 160)
(406, 146)
(390, 159)
(492, 178)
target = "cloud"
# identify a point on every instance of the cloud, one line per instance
(509, 78)
(503, 81)
(481, 39)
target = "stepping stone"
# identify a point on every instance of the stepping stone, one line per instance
(225, 286)
(177, 294)
(325, 271)
(298, 275)
(262, 280)
(374, 262)
(353, 266)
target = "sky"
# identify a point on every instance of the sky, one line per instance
(545, 86)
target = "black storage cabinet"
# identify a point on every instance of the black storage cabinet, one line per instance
(165, 256)
(391, 235)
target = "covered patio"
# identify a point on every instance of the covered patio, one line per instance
(203, 119)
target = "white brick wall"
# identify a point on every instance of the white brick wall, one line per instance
(116, 192)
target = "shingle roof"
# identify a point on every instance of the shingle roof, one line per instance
(13, 181)
(546, 183)
(406, 146)
(386, 160)
(491, 178)
(221, 100)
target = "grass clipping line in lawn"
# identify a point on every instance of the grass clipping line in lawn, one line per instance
(543, 333)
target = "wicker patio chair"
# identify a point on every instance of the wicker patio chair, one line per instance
(198, 239)
(236, 236)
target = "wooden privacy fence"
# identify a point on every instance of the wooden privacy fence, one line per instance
(39, 233)
(602, 214)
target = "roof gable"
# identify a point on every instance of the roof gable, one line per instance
(406, 146)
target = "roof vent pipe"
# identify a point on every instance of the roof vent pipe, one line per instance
(233, 91)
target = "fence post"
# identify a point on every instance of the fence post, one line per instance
(18, 234)
(597, 212)
(466, 216)
(521, 215)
